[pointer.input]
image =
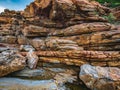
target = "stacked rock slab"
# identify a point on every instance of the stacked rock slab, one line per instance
(71, 32)
(66, 31)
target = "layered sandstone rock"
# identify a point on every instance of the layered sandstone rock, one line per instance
(78, 58)
(70, 32)
(63, 13)
(61, 31)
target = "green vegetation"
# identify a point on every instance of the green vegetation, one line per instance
(110, 18)
(112, 3)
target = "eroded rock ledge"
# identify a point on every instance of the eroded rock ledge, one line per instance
(70, 32)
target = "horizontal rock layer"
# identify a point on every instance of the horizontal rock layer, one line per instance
(102, 58)
(62, 31)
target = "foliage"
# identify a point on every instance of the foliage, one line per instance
(113, 3)
(110, 18)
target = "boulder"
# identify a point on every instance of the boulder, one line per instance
(11, 62)
(32, 59)
(100, 78)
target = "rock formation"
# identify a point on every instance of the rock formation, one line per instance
(116, 12)
(78, 38)
(100, 78)
(71, 32)
(11, 62)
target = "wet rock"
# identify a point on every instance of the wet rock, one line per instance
(100, 78)
(61, 75)
(15, 83)
(29, 73)
(3, 49)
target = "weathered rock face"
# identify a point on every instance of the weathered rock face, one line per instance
(63, 13)
(11, 62)
(100, 78)
(116, 13)
(7, 16)
(60, 75)
(67, 31)
(77, 57)
(70, 32)
(32, 59)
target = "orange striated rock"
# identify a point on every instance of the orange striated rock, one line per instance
(78, 58)
(71, 32)
(65, 10)
(62, 10)
(39, 7)
(97, 38)
(4, 20)
(34, 31)
(82, 29)
(67, 61)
